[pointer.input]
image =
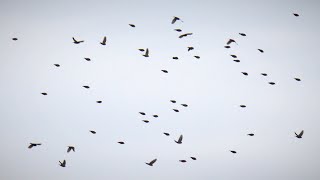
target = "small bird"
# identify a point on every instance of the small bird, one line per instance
(33, 145)
(179, 140)
(99, 102)
(264, 74)
(299, 135)
(63, 164)
(88, 59)
(132, 25)
(15, 39)
(243, 106)
(167, 134)
(146, 121)
(193, 158)
(236, 60)
(147, 53)
(142, 113)
(44, 93)
(121, 142)
(155, 116)
(183, 161)
(175, 19)
(93, 132)
(295, 14)
(87, 87)
(184, 35)
(175, 58)
(234, 56)
(70, 148)
(234, 152)
(141, 50)
(231, 41)
(173, 101)
(245, 73)
(261, 50)
(242, 34)
(190, 48)
(165, 71)
(76, 42)
(227, 47)
(198, 57)
(272, 83)
(184, 105)
(151, 162)
(176, 110)
(57, 65)
(104, 41)
(297, 79)
(178, 30)
(251, 134)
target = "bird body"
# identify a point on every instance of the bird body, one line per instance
(151, 162)
(184, 35)
(87, 59)
(175, 110)
(147, 53)
(146, 121)
(44, 93)
(167, 134)
(175, 19)
(15, 39)
(242, 34)
(234, 56)
(63, 164)
(251, 134)
(190, 48)
(234, 152)
(262, 51)
(121, 142)
(272, 83)
(93, 132)
(165, 71)
(245, 73)
(179, 140)
(297, 79)
(87, 87)
(198, 57)
(99, 102)
(178, 30)
(193, 158)
(243, 106)
(184, 105)
(104, 41)
(299, 135)
(132, 25)
(173, 101)
(183, 161)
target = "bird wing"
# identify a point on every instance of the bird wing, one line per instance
(229, 42)
(30, 146)
(181, 36)
(69, 149)
(147, 52)
(180, 138)
(104, 40)
(174, 20)
(153, 161)
(74, 39)
(301, 133)
(64, 162)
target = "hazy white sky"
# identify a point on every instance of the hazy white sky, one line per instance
(128, 83)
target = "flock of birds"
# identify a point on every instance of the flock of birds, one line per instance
(146, 54)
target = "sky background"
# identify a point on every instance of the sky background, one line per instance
(128, 83)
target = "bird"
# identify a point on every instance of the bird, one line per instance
(179, 140)
(272, 83)
(63, 164)
(87, 87)
(231, 41)
(183, 161)
(190, 48)
(104, 41)
(193, 158)
(299, 135)
(295, 14)
(88, 59)
(178, 30)
(141, 50)
(236, 60)
(175, 58)
(70, 148)
(264, 74)
(151, 162)
(15, 39)
(184, 105)
(57, 65)
(142, 113)
(176, 110)
(167, 134)
(243, 106)
(99, 102)
(245, 73)
(165, 71)
(234, 152)
(132, 25)
(121, 142)
(146, 121)
(234, 56)
(44, 93)
(175, 19)
(297, 79)
(93, 132)
(147, 53)
(227, 47)
(155, 116)
(198, 57)
(33, 145)
(184, 35)
(242, 34)
(173, 101)
(251, 134)
(261, 50)
(76, 42)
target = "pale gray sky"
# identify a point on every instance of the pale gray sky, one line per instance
(128, 83)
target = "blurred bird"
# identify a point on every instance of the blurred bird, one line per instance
(151, 162)
(15, 39)
(234, 56)
(88, 59)
(132, 25)
(236, 60)
(121, 142)
(176, 110)
(264, 74)
(167, 134)
(147, 53)
(104, 41)
(63, 164)
(33, 145)
(178, 30)
(141, 50)
(184, 105)
(272, 83)
(58, 65)
(179, 140)
(173, 101)
(193, 158)
(87, 87)
(142, 113)
(231, 41)
(175, 58)
(184, 35)
(99, 102)
(245, 73)
(155, 116)
(242, 34)
(183, 161)
(243, 106)
(251, 134)
(175, 19)
(198, 57)
(227, 47)
(44, 93)
(165, 71)
(297, 79)
(75, 41)
(190, 48)
(93, 132)
(295, 14)
(146, 121)
(70, 148)
(261, 50)
(234, 152)
(299, 135)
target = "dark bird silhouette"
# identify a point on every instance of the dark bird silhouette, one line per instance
(272, 83)
(57, 65)
(142, 113)
(243, 106)
(175, 58)
(264, 74)
(104, 41)
(234, 152)
(146, 121)
(147, 53)
(93, 132)
(76, 42)
(242, 34)
(193, 158)
(33, 145)
(261, 50)
(295, 14)
(175, 19)
(234, 56)
(165, 71)
(88, 59)
(44, 93)
(141, 50)
(245, 73)
(231, 41)
(178, 30)
(99, 102)
(179, 140)
(121, 142)
(236, 60)
(184, 35)
(173, 101)
(227, 47)
(183, 161)
(132, 25)
(151, 162)
(251, 134)
(176, 110)
(299, 135)
(63, 164)
(167, 134)
(15, 39)
(155, 116)
(87, 87)
(184, 105)
(198, 57)
(190, 48)
(70, 148)
(297, 79)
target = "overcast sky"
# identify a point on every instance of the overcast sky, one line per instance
(127, 83)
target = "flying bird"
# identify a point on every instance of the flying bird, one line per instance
(243, 106)
(295, 14)
(184, 35)
(142, 113)
(141, 50)
(165, 71)
(297, 79)
(76, 42)
(44, 93)
(242, 34)
(173, 101)
(236, 60)
(87, 87)
(87, 59)
(70, 148)
(183, 161)
(104, 41)
(175, 58)
(261, 50)
(63, 164)
(178, 30)
(184, 105)
(121, 142)
(175, 110)
(272, 83)
(57, 65)
(132, 25)
(99, 102)
(299, 135)
(198, 57)
(146, 121)
(234, 152)
(147, 53)
(193, 158)
(251, 134)
(167, 134)
(93, 132)
(155, 116)
(234, 56)
(15, 39)
(190, 48)
(264, 74)
(175, 19)
(179, 140)
(231, 41)
(227, 47)
(33, 145)
(151, 162)
(245, 73)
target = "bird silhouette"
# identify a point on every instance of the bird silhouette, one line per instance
(104, 41)
(245, 73)
(243, 106)
(63, 164)
(57, 65)
(99, 102)
(299, 135)
(272, 83)
(236, 60)
(121, 142)
(193, 158)
(142, 113)
(76, 42)
(167, 134)
(297, 79)
(146, 121)
(70, 148)
(190, 48)
(184, 105)
(179, 140)
(264, 74)
(87, 87)
(231, 41)
(242, 34)
(87, 59)
(15, 39)
(33, 145)
(234, 56)
(151, 162)
(141, 50)
(173, 101)
(178, 30)
(198, 57)
(175, 110)
(184, 35)
(93, 132)
(165, 71)
(295, 14)
(227, 47)
(147, 53)
(183, 161)
(155, 116)
(234, 152)
(261, 50)
(132, 25)
(44, 93)
(251, 134)
(175, 19)
(175, 58)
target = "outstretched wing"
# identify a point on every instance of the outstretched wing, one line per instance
(180, 138)
(174, 20)
(153, 161)
(30, 146)
(147, 52)
(74, 39)
(230, 41)
(104, 40)
(69, 149)
(301, 133)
